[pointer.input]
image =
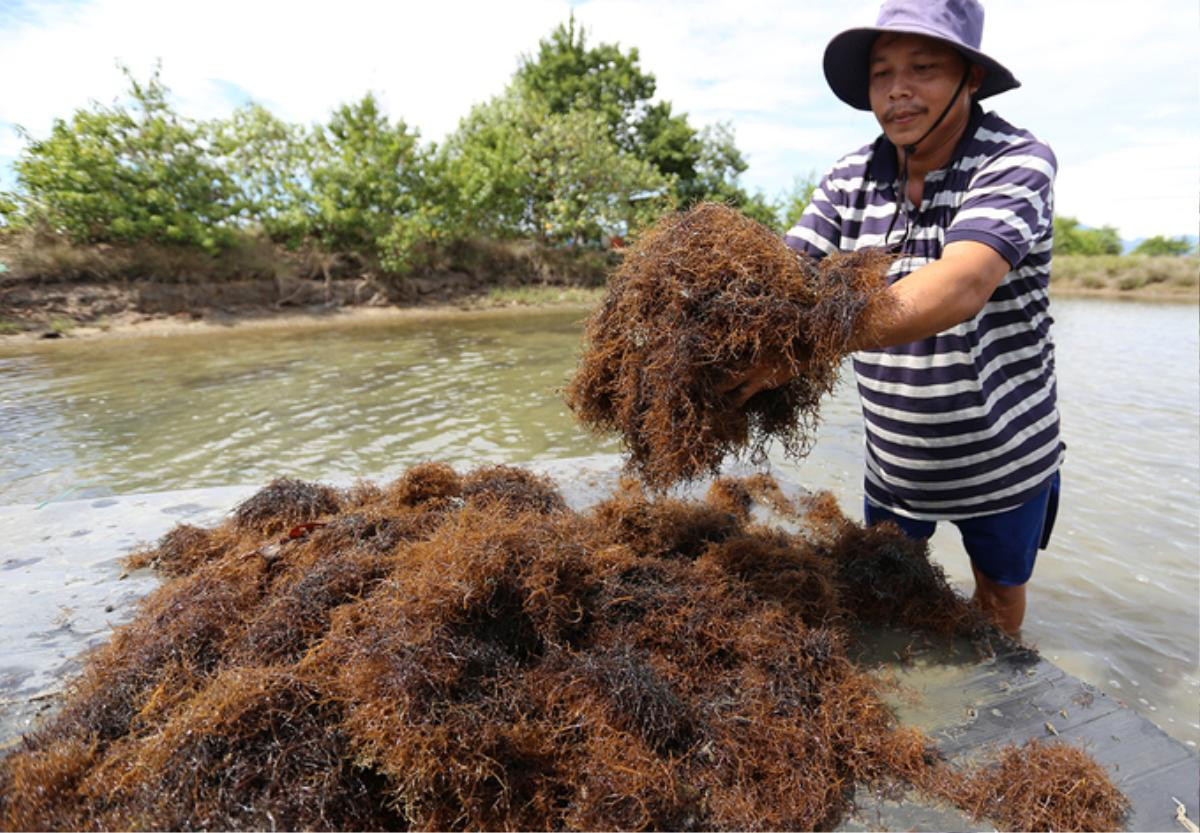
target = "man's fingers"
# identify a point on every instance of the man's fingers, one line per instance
(761, 377)
(745, 392)
(742, 396)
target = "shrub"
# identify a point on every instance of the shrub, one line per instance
(126, 173)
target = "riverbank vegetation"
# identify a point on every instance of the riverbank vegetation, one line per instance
(575, 153)
(545, 183)
(1134, 275)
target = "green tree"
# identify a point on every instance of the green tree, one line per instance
(569, 75)
(581, 186)
(482, 170)
(670, 144)
(717, 167)
(1070, 238)
(10, 210)
(124, 173)
(365, 171)
(516, 169)
(798, 197)
(359, 183)
(269, 161)
(1160, 245)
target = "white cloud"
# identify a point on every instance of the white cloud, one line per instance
(1135, 188)
(427, 62)
(1112, 89)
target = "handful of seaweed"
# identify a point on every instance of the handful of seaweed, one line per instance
(466, 652)
(703, 296)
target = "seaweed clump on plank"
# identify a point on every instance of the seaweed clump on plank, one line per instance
(466, 652)
(703, 296)
(1042, 786)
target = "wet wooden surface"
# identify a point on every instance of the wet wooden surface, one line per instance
(1016, 697)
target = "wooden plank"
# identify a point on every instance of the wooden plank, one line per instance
(1012, 699)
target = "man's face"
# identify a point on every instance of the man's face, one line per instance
(912, 78)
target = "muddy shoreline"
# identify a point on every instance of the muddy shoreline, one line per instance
(43, 311)
(33, 311)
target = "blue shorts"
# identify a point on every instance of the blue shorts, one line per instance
(1002, 546)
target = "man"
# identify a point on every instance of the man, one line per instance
(957, 388)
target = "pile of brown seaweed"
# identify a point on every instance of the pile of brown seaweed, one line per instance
(702, 297)
(463, 651)
(1041, 786)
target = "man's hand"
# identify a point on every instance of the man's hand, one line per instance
(932, 299)
(766, 375)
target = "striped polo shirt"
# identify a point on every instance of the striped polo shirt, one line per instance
(964, 423)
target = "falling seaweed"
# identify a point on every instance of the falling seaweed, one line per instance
(702, 297)
(466, 652)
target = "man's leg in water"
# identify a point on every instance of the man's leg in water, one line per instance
(1004, 604)
(1003, 548)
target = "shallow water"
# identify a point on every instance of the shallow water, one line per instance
(1114, 600)
(366, 400)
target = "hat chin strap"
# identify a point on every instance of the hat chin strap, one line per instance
(911, 148)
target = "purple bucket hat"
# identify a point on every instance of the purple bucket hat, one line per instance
(958, 23)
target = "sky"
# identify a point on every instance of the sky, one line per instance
(1113, 88)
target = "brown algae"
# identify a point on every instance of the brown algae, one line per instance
(701, 297)
(466, 652)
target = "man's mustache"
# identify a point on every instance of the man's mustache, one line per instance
(902, 110)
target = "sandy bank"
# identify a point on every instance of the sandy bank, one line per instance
(81, 321)
(30, 314)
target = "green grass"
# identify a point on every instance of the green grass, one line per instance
(8, 328)
(1141, 274)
